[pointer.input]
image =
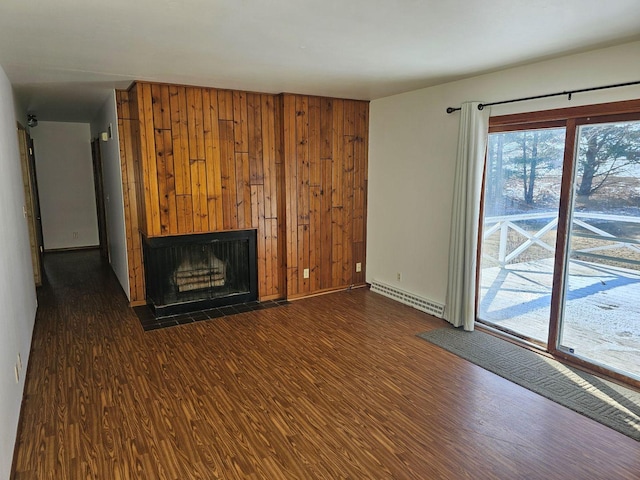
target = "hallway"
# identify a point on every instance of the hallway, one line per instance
(329, 387)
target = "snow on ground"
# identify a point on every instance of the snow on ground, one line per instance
(602, 315)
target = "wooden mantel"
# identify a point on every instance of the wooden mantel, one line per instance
(293, 167)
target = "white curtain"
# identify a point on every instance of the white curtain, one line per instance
(472, 145)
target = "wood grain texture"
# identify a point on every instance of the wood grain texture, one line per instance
(335, 386)
(325, 152)
(207, 163)
(293, 167)
(128, 145)
(30, 202)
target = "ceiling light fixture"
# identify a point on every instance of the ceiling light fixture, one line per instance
(32, 121)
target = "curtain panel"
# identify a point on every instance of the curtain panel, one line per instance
(465, 215)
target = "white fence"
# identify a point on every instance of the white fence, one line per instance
(503, 224)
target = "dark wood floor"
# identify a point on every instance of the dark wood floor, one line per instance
(330, 387)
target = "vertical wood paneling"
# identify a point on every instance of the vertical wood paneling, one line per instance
(303, 258)
(278, 199)
(176, 142)
(148, 159)
(243, 190)
(337, 192)
(241, 149)
(361, 156)
(270, 143)
(132, 235)
(302, 157)
(201, 162)
(136, 161)
(292, 167)
(212, 159)
(325, 174)
(137, 203)
(255, 139)
(162, 112)
(291, 192)
(225, 104)
(228, 175)
(208, 162)
(196, 159)
(347, 210)
(180, 136)
(302, 185)
(258, 222)
(314, 140)
(269, 265)
(164, 151)
(315, 185)
(326, 226)
(359, 251)
(241, 135)
(161, 167)
(315, 245)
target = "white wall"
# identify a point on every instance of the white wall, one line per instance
(112, 182)
(412, 151)
(65, 184)
(17, 290)
(20, 111)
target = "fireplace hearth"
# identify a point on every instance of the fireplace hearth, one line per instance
(195, 272)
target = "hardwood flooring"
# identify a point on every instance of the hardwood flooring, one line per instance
(330, 387)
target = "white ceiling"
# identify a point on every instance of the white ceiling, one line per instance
(63, 56)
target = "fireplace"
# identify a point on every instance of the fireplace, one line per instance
(196, 272)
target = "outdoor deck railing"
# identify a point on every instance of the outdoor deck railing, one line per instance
(503, 224)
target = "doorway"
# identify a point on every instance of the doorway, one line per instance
(560, 246)
(96, 156)
(32, 202)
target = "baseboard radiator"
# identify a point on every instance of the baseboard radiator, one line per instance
(411, 299)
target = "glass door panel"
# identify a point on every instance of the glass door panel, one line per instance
(521, 202)
(601, 306)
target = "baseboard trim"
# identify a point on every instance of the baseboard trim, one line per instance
(71, 249)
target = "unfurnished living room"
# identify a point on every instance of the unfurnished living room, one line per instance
(319, 240)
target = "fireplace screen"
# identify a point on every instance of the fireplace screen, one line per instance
(194, 272)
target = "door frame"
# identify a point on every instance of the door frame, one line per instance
(98, 184)
(570, 118)
(32, 202)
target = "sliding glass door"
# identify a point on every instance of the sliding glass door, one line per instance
(521, 202)
(559, 258)
(601, 303)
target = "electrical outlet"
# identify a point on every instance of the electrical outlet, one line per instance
(358, 267)
(399, 276)
(75, 235)
(305, 273)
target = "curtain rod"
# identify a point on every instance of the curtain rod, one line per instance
(569, 93)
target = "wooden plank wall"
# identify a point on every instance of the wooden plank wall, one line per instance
(325, 151)
(292, 167)
(209, 162)
(129, 144)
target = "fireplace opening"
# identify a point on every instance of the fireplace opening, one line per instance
(196, 272)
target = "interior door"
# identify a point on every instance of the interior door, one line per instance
(36, 198)
(31, 205)
(100, 202)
